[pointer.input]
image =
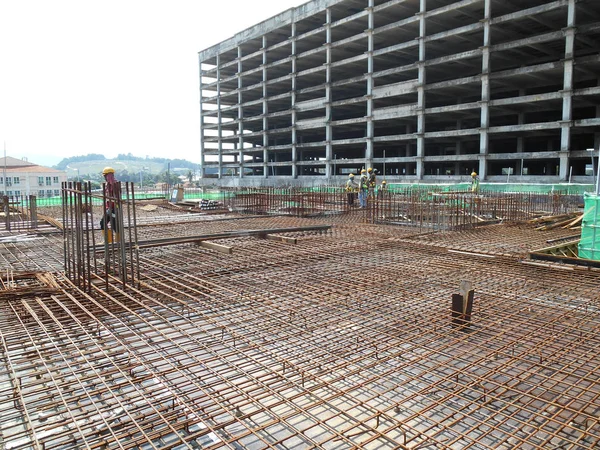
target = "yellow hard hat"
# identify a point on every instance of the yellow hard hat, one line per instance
(369, 169)
(363, 171)
(474, 174)
(351, 175)
(108, 170)
(384, 182)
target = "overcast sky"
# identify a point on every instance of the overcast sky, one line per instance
(110, 76)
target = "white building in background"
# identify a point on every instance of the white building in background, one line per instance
(19, 177)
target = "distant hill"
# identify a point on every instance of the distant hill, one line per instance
(93, 164)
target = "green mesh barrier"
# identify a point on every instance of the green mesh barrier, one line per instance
(589, 245)
(207, 195)
(497, 187)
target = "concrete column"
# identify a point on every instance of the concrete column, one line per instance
(484, 139)
(370, 131)
(240, 114)
(328, 134)
(521, 121)
(202, 155)
(458, 149)
(421, 92)
(219, 118)
(293, 106)
(567, 92)
(265, 109)
(408, 130)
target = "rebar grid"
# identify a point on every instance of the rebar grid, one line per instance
(427, 208)
(43, 254)
(513, 241)
(343, 340)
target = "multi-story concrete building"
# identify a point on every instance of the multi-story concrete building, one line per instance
(421, 89)
(19, 177)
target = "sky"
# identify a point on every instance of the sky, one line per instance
(110, 76)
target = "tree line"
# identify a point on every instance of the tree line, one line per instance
(180, 163)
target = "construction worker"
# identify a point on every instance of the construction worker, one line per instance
(372, 179)
(351, 188)
(363, 188)
(474, 183)
(382, 189)
(110, 211)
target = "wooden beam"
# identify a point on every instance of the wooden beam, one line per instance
(286, 239)
(216, 247)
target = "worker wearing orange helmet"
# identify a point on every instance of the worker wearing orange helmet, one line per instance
(110, 212)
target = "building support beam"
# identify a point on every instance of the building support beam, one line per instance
(240, 85)
(328, 98)
(567, 107)
(219, 118)
(421, 92)
(484, 139)
(265, 105)
(370, 130)
(293, 104)
(202, 150)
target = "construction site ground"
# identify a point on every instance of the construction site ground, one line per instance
(340, 340)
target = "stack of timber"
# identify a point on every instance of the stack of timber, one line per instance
(544, 223)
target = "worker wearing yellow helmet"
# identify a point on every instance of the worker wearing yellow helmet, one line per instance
(382, 190)
(111, 190)
(351, 188)
(363, 187)
(474, 182)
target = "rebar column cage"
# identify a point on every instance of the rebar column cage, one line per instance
(117, 256)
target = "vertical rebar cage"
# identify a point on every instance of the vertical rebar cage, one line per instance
(20, 212)
(116, 257)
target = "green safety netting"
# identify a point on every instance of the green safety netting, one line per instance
(212, 195)
(578, 189)
(589, 245)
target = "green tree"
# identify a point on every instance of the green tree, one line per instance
(169, 177)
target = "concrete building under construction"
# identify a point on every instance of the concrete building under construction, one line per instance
(419, 89)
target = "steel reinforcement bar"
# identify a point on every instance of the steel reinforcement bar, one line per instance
(338, 341)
